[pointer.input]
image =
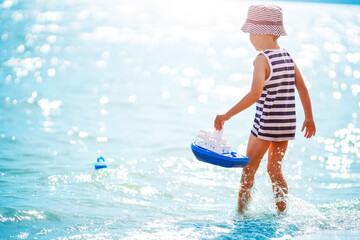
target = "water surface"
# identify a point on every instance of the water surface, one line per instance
(134, 82)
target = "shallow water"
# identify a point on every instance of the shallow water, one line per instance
(134, 82)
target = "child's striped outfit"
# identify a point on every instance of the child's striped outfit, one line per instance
(275, 118)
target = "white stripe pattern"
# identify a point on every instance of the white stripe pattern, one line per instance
(275, 118)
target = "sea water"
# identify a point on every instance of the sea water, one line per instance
(134, 81)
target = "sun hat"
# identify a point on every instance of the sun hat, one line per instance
(264, 19)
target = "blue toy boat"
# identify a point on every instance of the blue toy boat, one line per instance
(228, 160)
(100, 163)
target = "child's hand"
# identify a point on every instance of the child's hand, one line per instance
(220, 120)
(310, 128)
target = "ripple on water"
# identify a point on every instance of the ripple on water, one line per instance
(13, 215)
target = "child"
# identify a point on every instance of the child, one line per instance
(273, 89)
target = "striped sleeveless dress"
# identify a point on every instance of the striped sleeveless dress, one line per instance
(275, 118)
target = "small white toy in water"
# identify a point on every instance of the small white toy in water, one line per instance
(210, 147)
(100, 163)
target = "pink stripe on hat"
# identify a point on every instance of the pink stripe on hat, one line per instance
(264, 22)
(264, 19)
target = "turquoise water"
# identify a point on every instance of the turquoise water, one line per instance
(134, 82)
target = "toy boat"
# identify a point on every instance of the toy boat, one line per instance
(100, 163)
(211, 147)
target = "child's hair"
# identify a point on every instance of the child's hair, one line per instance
(264, 19)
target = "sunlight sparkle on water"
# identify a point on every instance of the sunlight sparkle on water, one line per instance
(133, 81)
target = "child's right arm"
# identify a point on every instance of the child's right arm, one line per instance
(308, 124)
(261, 68)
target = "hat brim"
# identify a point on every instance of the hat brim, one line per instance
(277, 30)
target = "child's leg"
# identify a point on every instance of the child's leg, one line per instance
(256, 149)
(276, 154)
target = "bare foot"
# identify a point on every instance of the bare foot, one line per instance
(243, 202)
(280, 201)
(241, 207)
(281, 206)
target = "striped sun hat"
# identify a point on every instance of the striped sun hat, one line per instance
(264, 19)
